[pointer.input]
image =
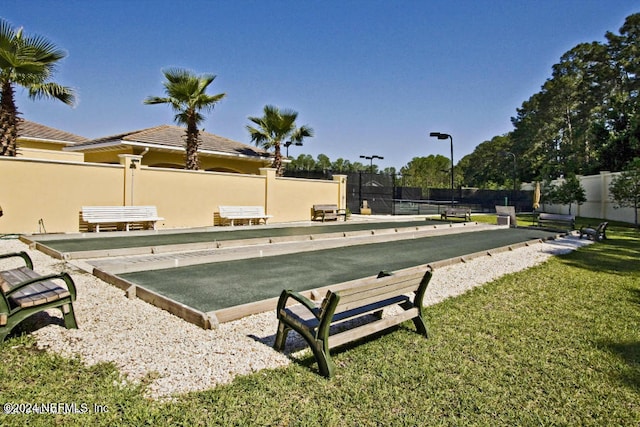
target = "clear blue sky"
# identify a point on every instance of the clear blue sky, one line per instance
(371, 77)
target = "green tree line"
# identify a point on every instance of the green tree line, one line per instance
(583, 120)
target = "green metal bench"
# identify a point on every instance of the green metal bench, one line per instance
(25, 292)
(556, 221)
(456, 213)
(596, 234)
(360, 298)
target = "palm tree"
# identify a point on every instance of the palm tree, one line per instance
(186, 95)
(27, 61)
(274, 128)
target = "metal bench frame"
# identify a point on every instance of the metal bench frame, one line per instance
(23, 292)
(363, 297)
(596, 234)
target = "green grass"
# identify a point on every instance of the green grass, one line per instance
(557, 344)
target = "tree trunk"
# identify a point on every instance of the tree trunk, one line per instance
(9, 122)
(277, 161)
(191, 147)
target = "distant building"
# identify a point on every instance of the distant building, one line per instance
(160, 146)
(43, 142)
(163, 146)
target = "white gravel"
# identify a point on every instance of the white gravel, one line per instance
(142, 340)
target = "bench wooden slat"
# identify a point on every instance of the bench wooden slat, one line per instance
(348, 302)
(302, 315)
(406, 279)
(351, 335)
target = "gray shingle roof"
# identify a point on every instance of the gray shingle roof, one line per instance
(172, 137)
(29, 129)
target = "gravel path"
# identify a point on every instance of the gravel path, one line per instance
(141, 339)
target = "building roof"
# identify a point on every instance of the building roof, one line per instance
(35, 131)
(170, 138)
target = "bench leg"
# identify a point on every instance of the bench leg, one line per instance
(69, 316)
(421, 326)
(319, 348)
(325, 364)
(281, 336)
(418, 321)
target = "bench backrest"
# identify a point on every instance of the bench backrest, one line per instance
(119, 213)
(372, 290)
(239, 211)
(325, 208)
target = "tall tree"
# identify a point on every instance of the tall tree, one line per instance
(275, 128)
(27, 61)
(586, 116)
(427, 172)
(186, 94)
(488, 166)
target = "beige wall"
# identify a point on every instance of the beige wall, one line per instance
(291, 199)
(55, 192)
(598, 204)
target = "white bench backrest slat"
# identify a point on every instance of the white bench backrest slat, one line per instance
(119, 213)
(242, 211)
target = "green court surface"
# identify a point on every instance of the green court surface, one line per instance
(159, 239)
(214, 286)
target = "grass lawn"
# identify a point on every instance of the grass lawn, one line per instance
(557, 344)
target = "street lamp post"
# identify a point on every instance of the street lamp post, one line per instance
(371, 158)
(508, 153)
(445, 136)
(370, 172)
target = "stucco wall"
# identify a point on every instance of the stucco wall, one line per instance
(598, 204)
(54, 191)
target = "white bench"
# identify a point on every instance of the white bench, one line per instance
(96, 215)
(250, 213)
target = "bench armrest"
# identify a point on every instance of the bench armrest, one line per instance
(71, 287)
(23, 255)
(286, 294)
